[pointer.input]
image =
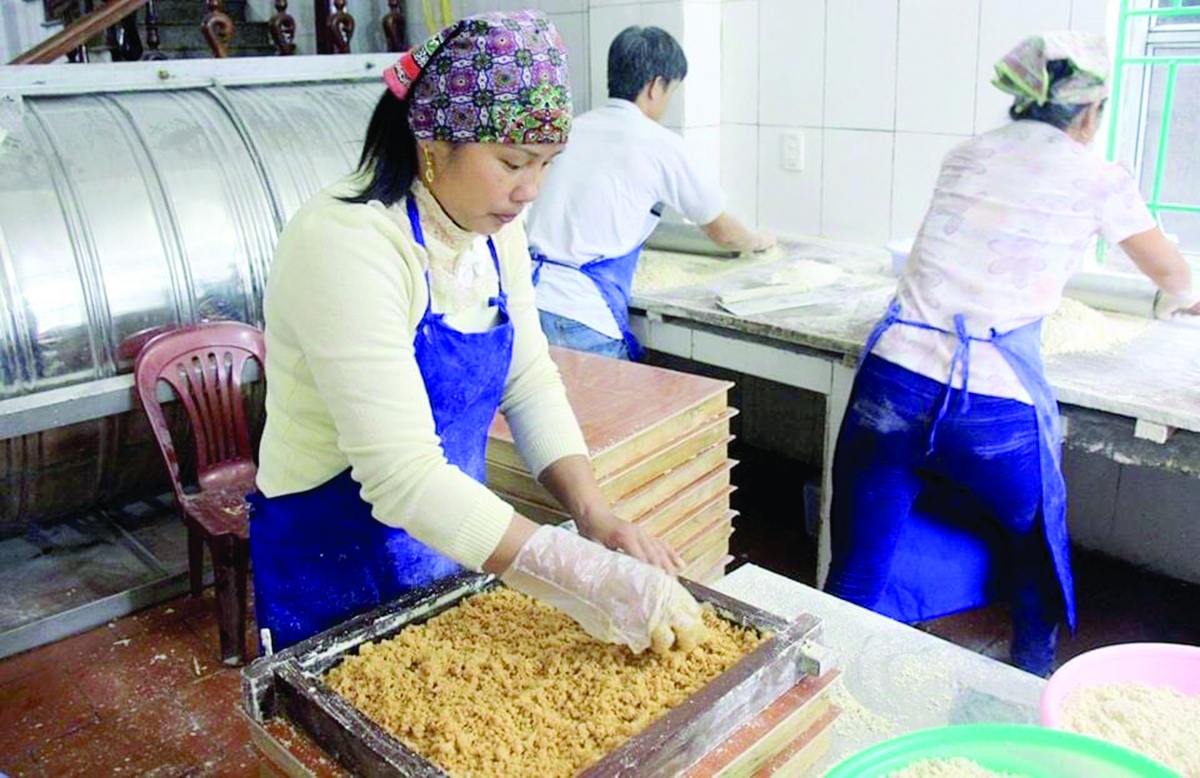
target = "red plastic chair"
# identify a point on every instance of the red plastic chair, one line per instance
(204, 365)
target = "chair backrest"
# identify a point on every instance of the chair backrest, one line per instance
(204, 365)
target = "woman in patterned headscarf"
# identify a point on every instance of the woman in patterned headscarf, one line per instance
(399, 317)
(951, 416)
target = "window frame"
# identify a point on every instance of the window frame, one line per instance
(1143, 47)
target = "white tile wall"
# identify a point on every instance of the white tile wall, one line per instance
(604, 22)
(860, 64)
(564, 6)
(936, 67)
(1097, 16)
(573, 27)
(705, 146)
(918, 161)
(669, 15)
(739, 61)
(789, 203)
(701, 41)
(1003, 24)
(856, 191)
(739, 170)
(791, 62)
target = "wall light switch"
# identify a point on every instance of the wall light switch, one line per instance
(791, 152)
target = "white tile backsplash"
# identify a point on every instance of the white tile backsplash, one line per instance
(564, 6)
(1098, 16)
(604, 23)
(739, 171)
(702, 44)
(789, 203)
(918, 162)
(739, 61)
(669, 16)
(791, 62)
(1003, 24)
(573, 27)
(860, 64)
(856, 192)
(936, 67)
(704, 143)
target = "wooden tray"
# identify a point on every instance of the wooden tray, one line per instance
(288, 685)
(626, 410)
(521, 483)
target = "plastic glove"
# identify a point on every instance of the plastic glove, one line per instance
(1166, 304)
(614, 598)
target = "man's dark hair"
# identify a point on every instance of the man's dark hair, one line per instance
(638, 56)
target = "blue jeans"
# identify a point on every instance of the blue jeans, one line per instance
(882, 466)
(568, 333)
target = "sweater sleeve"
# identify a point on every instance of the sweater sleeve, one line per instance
(535, 402)
(347, 297)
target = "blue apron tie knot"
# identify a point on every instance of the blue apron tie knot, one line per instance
(539, 259)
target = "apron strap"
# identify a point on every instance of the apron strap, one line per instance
(501, 298)
(414, 221)
(962, 356)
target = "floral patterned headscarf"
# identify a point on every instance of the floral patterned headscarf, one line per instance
(1023, 72)
(492, 78)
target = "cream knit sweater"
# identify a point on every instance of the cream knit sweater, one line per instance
(345, 294)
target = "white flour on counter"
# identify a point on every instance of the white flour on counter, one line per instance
(1076, 328)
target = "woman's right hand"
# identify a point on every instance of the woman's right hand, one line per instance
(614, 597)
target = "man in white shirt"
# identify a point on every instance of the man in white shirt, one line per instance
(604, 195)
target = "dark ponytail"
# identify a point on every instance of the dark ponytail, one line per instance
(389, 153)
(1055, 114)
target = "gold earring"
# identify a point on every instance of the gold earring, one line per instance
(428, 165)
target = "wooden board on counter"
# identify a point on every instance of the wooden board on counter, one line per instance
(627, 411)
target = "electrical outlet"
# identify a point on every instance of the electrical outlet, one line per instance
(791, 152)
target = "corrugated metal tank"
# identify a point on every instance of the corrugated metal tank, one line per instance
(134, 209)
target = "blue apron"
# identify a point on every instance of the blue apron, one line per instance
(319, 556)
(933, 539)
(613, 277)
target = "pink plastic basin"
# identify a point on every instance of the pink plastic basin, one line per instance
(1154, 664)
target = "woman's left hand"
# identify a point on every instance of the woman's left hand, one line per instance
(620, 535)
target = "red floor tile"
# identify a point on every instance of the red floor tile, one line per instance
(204, 624)
(152, 740)
(38, 708)
(975, 629)
(242, 763)
(145, 665)
(214, 703)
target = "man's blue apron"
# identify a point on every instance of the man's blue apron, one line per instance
(613, 277)
(319, 556)
(933, 540)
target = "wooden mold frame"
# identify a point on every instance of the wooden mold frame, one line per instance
(289, 684)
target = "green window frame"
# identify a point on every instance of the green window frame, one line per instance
(1151, 34)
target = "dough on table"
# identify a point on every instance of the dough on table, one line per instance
(1077, 328)
(660, 270)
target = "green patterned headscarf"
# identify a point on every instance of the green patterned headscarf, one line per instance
(491, 78)
(1024, 71)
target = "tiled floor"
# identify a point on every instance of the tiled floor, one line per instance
(146, 695)
(143, 696)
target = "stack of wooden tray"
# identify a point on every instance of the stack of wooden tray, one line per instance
(659, 443)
